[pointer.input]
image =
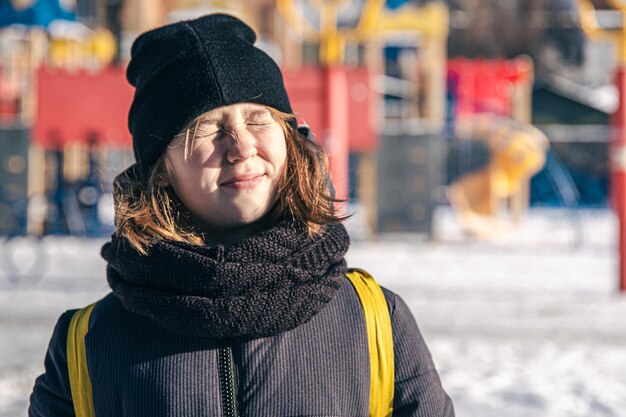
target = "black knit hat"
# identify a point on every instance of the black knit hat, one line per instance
(187, 68)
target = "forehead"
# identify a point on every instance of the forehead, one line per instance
(232, 110)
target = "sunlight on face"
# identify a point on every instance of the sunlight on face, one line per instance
(228, 175)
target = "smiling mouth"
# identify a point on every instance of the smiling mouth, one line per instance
(243, 181)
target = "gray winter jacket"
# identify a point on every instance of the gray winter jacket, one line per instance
(320, 368)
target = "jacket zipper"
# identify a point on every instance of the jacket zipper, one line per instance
(227, 380)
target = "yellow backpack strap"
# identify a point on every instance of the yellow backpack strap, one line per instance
(380, 341)
(80, 384)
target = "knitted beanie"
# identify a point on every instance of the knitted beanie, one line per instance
(187, 68)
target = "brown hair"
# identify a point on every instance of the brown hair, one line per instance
(146, 213)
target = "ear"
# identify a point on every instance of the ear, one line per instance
(163, 170)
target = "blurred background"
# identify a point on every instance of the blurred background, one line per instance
(479, 143)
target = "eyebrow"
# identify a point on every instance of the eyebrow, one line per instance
(257, 112)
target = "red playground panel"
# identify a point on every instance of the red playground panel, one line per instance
(486, 86)
(307, 95)
(81, 106)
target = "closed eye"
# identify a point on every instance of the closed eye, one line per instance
(207, 130)
(260, 118)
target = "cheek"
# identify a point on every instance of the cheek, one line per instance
(278, 154)
(189, 177)
(281, 160)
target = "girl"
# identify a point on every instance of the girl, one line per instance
(229, 290)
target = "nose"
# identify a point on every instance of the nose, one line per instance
(242, 145)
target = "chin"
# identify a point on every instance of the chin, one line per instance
(239, 219)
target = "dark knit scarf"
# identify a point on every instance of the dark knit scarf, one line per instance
(260, 286)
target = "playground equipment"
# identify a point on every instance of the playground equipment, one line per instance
(618, 142)
(23, 50)
(499, 87)
(490, 104)
(517, 151)
(423, 94)
(332, 40)
(408, 50)
(82, 48)
(82, 127)
(13, 180)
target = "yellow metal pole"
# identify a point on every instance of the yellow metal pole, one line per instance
(589, 25)
(621, 6)
(623, 37)
(331, 43)
(369, 17)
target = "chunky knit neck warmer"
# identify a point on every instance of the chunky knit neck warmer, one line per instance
(260, 286)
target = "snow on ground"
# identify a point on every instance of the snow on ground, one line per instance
(526, 325)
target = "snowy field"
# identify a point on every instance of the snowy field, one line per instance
(526, 325)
